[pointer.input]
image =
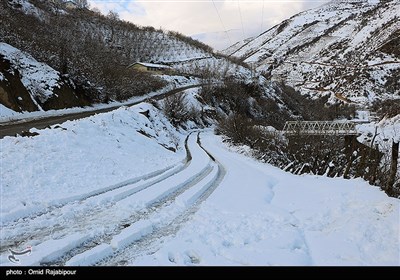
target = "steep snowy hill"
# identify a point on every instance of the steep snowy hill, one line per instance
(345, 49)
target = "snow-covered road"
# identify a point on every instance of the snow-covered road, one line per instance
(44, 119)
(117, 216)
(260, 215)
(153, 206)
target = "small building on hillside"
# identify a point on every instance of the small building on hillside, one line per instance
(149, 67)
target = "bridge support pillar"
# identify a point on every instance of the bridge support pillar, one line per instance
(350, 145)
(390, 187)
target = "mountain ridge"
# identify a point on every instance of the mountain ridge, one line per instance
(342, 48)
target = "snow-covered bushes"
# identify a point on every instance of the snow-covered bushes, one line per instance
(265, 142)
(178, 110)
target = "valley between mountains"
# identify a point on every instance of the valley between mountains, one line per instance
(126, 145)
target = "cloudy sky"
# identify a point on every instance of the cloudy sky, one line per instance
(219, 23)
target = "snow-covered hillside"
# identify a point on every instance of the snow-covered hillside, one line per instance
(29, 85)
(135, 43)
(215, 68)
(345, 49)
(38, 78)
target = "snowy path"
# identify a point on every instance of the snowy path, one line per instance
(166, 222)
(260, 215)
(215, 207)
(126, 206)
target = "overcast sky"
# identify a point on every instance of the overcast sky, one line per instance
(207, 20)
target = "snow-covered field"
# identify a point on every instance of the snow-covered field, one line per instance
(105, 191)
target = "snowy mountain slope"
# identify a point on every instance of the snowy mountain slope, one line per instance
(28, 85)
(344, 48)
(159, 46)
(95, 50)
(215, 67)
(135, 43)
(237, 46)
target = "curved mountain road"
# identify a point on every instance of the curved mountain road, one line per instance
(102, 227)
(13, 128)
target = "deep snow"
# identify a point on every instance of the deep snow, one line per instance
(235, 211)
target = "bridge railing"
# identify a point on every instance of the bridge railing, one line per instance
(319, 128)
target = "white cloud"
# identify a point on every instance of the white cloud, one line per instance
(199, 18)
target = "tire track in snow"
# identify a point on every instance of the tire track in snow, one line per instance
(29, 233)
(146, 243)
(13, 218)
(150, 208)
(157, 204)
(144, 214)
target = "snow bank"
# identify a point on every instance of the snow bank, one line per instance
(6, 112)
(131, 234)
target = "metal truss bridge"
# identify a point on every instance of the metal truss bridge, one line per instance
(337, 128)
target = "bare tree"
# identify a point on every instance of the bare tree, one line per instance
(177, 109)
(82, 4)
(113, 15)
